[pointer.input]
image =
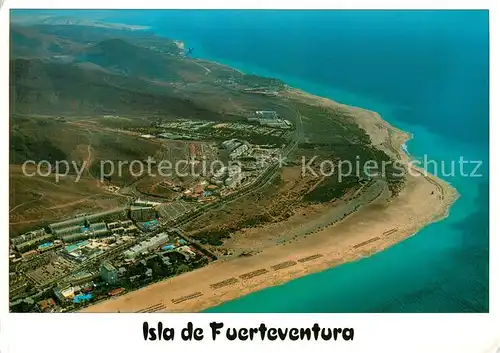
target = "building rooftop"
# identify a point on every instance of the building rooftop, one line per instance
(266, 114)
(108, 267)
(134, 208)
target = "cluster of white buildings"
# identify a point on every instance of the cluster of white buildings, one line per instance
(235, 148)
(270, 118)
(122, 227)
(234, 177)
(231, 176)
(186, 251)
(147, 245)
(28, 236)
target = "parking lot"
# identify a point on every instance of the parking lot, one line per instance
(172, 211)
(46, 273)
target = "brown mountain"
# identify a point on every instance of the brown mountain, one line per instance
(126, 58)
(47, 87)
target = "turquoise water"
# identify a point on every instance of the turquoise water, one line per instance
(44, 245)
(424, 72)
(82, 297)
(73, 247)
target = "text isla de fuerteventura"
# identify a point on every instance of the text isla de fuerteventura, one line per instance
(160, 332)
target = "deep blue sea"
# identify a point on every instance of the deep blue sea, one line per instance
(426, 72)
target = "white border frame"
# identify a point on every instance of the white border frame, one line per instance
(393, 333)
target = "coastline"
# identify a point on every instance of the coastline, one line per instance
(375, 227)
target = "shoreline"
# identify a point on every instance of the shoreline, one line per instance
(375, 227)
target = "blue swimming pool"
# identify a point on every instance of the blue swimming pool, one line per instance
(82, 297)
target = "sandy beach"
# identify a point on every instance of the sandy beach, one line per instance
(374, 227)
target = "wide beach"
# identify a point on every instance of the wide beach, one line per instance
(374, 227)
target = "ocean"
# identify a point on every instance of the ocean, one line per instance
(426, 72)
